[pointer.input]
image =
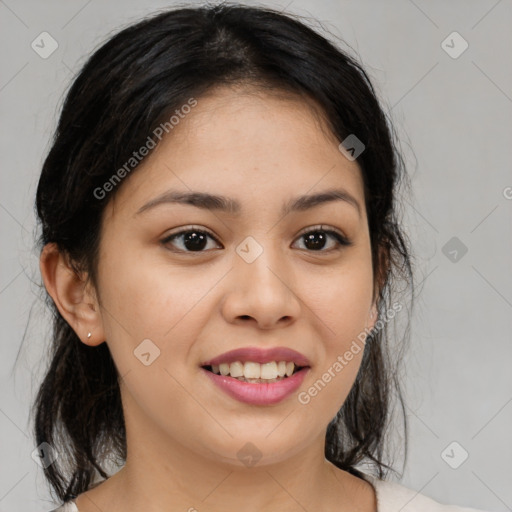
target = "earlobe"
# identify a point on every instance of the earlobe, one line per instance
(77, 305)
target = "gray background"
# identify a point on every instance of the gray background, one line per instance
(454, 118)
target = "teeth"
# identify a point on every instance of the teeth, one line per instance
(269, 370)
(252, 370)
(255, 372)
(236, 369)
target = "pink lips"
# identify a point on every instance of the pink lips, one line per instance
(259, 393)
(260, 355)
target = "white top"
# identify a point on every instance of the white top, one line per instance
(391, 497)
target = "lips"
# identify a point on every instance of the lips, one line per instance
(259, 355)
(263, 393)
(258, 394)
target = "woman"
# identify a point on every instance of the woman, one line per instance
(222, 251)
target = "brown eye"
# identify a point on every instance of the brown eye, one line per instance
(317, 239)
(192, 240)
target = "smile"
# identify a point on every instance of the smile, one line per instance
(257, 391)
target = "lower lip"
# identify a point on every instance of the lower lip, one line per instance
(258, 394)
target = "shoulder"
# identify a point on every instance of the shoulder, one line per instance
(392, 497)
(66, 507)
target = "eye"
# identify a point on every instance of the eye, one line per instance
(315, 239)
(193, 239)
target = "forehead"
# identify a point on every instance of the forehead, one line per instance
(248, 111)
(245, 143)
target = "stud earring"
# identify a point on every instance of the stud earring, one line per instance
(88, 335)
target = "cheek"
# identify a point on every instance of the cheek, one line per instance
(341, 301)
(156, 400)
(148, 299)
(341, 307)
(154, 316)
(325, 392)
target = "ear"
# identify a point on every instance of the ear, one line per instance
(379, 281)
(75, 300)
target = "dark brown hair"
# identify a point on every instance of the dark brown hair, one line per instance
(138, 78)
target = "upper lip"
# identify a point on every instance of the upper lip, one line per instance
(260, 355)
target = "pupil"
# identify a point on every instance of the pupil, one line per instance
(195, 241)
(315, 240)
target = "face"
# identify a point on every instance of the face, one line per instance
(195, 282)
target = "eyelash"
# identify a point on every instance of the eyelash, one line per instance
(341, 240)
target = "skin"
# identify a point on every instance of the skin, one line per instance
(183, 433)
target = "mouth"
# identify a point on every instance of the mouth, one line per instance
(257, 376)
(256, 373)
(265, 390)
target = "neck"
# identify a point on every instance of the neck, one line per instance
(162, 474)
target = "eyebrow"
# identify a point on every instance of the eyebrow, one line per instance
(232, 206)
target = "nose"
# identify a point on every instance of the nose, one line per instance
(261, 291)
